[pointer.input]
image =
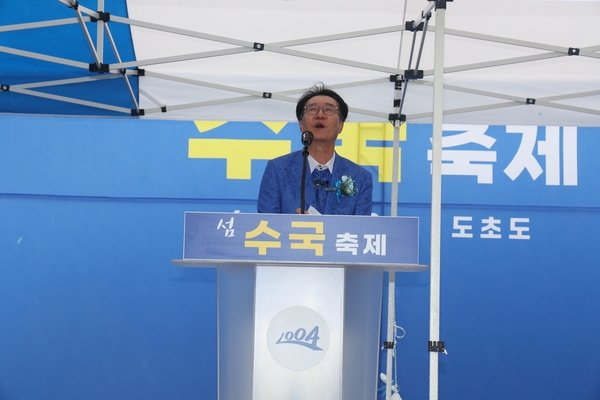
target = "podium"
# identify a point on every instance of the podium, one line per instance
(299, 299)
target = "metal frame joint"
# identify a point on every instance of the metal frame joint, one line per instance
(437, 347)
(396, 117)
(103, 68)
(397, 79)
(102, 16)
(441, 4)
(413, 74)
(409, 26)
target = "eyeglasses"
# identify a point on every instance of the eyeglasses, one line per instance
(328, 109)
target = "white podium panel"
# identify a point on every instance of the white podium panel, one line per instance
(298, 337)
(235, 329)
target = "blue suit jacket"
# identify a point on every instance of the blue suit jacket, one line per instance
(280, 187)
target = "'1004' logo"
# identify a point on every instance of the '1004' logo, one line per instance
(301, 338)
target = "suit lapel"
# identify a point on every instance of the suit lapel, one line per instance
(340, 167)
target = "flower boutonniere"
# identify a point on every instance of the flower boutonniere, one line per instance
(344, 187)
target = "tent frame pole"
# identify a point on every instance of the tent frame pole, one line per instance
(436, 203)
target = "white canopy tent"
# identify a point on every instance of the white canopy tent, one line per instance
(498, 55)
(200, 62)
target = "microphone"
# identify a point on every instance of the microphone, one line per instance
(307, 138)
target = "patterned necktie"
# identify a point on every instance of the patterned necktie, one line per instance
(321, 180)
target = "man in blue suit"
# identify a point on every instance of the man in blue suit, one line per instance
(334, 184)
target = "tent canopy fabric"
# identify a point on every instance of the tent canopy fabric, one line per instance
(530, 62)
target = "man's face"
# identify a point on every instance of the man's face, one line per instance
(322, 118)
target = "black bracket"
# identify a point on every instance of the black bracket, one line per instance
(441, 4)
(258, 46)
(135, 112)
(573, 51)
(413, 74)
(388, 345)
(267, 95)
(437, 347)
(75, 6)
(4, 88)
(141, 72)
(103, 68)
(163, 109)
(102, 16)
(409, 26)
(395, 117)
(398, 79)
(530, 101)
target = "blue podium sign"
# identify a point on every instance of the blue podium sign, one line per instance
(314, 239)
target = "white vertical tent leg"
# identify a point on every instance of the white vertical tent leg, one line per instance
(436, 201)
(390, 334)
(391, 309)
